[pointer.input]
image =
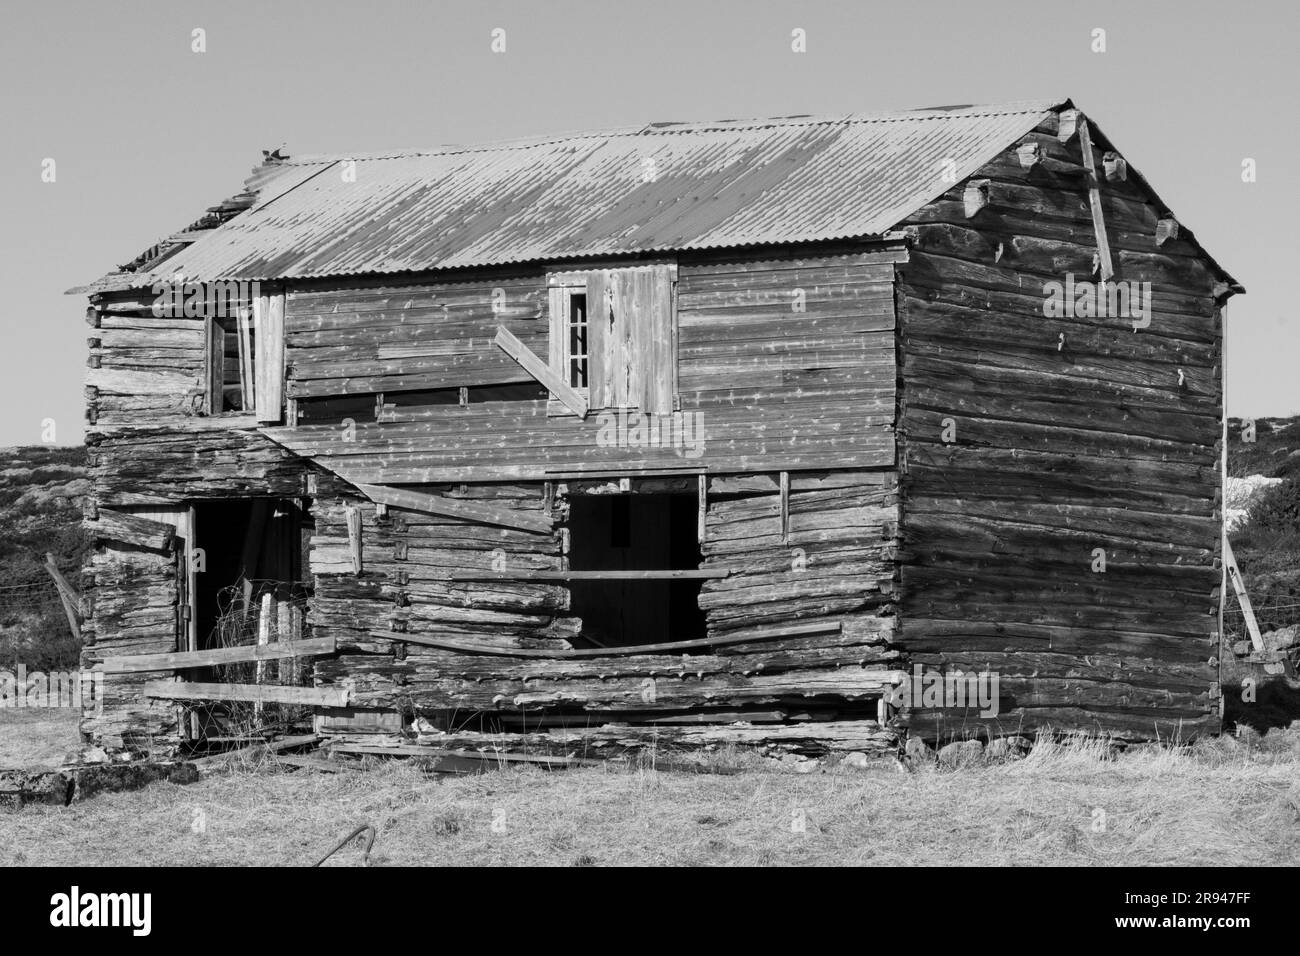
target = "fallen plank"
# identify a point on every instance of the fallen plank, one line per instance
(471, 647)
(145, 663)
(450, 507)
(256, 693)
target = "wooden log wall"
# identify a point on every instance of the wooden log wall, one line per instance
(787, 360)
(150, 444)
(1030, 442)
(833, 568)
(130, 603)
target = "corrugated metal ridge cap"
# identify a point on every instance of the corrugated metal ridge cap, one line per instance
(673, 127)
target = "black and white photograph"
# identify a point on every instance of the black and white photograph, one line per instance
(639, 435)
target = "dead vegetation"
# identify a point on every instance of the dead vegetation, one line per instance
(1074, 802)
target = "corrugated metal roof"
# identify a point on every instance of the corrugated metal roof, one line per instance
(657, 188)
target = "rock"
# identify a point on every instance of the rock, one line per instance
(961, 753)
(918, 751)
(94, 755)
(798, 763)
(1007, 748)
(1282, 639)
(857, 760)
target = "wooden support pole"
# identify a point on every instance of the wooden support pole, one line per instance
(701, 525)
(1094, 203)
(67, 596)
(785, 507)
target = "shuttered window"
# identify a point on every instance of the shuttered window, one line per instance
(614, 336)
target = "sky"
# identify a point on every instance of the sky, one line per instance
(146, 133)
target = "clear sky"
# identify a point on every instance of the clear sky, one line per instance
(146, 133)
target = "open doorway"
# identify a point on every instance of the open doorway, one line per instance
(251, 588)
(624, 532)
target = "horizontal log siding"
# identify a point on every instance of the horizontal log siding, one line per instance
(129, 597)
(773, 387)
(141, 364)
(835, 569)
(1059, 451)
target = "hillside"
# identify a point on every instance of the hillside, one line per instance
(41, 492)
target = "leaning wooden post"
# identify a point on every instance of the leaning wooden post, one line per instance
(1248, 612)
(67, 596)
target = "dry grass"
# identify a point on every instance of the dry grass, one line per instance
(37, 737)
(1225, 801)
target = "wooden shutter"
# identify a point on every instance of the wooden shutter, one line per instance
(643, 371)
(600, 340)
(269, 365)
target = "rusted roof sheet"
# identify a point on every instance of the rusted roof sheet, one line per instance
(659, 188)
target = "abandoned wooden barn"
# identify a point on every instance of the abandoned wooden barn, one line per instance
(686, 433)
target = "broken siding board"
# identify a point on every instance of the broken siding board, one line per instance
(145, 663)
(454, 508)
(256, 693)
(133, 530)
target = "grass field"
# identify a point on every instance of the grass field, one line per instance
(1224, 801)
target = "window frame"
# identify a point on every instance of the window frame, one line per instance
(563, 283)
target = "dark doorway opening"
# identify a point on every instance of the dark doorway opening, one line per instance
(644, 532)
(250, 588)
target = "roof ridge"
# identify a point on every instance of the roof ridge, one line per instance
(670, 127)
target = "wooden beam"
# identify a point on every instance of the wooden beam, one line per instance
(1067, 125)
(453, 508)
(1115, 167)
(1247, 611)
(67, 596)
(976, 196)
(1166, 229)
(146, 663)
(534, 366)
(785, 507)
(1029, 154)
(130, 529)
(353, 516)
(255, 693)
(701, 526)
(1094, 203)
(628, 575)
(670, 647)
